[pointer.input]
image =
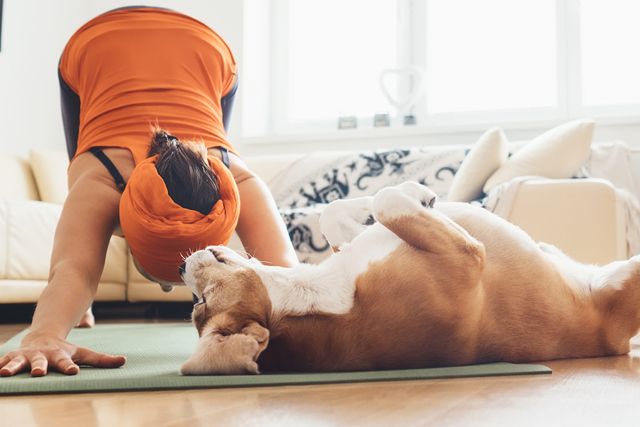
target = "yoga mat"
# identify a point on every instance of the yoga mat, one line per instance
(155, 352)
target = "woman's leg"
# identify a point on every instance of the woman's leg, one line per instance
(227, 105)
(70, 105)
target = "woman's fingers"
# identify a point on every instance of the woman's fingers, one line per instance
(85, 356)
(39, 365)
(65, 360)
(16, 365)
(63, 363)
(4, 360)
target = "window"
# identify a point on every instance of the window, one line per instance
(482, 62)
(609, 33)
(336, 50)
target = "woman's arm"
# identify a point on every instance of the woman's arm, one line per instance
(260, 226)
(80, 245)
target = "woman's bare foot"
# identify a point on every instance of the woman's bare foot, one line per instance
(87, 320)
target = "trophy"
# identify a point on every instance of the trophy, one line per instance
(404, 101)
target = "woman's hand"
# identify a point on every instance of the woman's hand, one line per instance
(40, 352)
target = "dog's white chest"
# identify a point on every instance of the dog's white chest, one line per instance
(375, 244)
(330, 286)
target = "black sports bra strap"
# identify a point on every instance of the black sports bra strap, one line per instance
(225, 156)
(113, 170)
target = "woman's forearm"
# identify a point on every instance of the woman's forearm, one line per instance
(260, 227)
(62, 303)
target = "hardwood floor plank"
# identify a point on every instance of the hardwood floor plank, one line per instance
(7, 331)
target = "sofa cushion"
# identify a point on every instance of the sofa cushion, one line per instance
(484, 158)
(27, 232)
(17, 179)
(147, 291)
(270, 166)
(557, 153)
(115, 266)
(28, 291)
(50, 171)
(28, 228)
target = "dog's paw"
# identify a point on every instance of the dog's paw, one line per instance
(224, 354)
(342, 220)
(423, 194)
(405, 199)
(225, 255)
(245, 350)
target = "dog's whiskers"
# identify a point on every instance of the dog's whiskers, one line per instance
(189, 253)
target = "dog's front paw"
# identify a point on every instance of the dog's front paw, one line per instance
(224, 354)
(342, 220)
(245, 350)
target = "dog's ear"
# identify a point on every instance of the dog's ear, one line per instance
(259, 333)
(228, 354)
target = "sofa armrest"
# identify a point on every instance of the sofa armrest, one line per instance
(580, 216)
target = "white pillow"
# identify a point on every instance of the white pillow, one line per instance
(486, 156)
(557, 153)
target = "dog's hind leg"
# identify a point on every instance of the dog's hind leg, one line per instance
(407, 211)
(615, 290)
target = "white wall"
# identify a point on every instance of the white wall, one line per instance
(35, 32)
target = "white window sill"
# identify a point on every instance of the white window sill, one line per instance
(371, 133)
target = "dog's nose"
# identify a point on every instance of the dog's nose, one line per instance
(182, 269)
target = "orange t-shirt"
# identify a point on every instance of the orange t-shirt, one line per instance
(137, 67)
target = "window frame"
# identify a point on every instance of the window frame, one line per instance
(411, 48)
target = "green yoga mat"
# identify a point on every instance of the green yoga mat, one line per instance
(155, 352)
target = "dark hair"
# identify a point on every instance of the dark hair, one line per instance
(189, 179)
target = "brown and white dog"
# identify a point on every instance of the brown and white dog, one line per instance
(425, 285)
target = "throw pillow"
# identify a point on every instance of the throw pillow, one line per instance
(557, 153)
(485, 157)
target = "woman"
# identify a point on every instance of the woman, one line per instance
(122, 73)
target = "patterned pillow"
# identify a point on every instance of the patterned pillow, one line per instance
(320, 179)
(317, 179)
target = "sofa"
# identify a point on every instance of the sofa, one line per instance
(580, 216)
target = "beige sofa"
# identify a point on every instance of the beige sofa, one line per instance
(579, 216)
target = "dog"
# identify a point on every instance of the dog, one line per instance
(413, 284)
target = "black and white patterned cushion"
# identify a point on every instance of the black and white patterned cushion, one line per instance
(312, 182)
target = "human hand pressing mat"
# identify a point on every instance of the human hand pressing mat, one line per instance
(156, 351)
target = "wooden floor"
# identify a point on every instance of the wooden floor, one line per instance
(587, 392)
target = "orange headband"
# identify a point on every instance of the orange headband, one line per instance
(160, 232)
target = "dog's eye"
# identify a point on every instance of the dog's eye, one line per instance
(198, 302)
(370, 220)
